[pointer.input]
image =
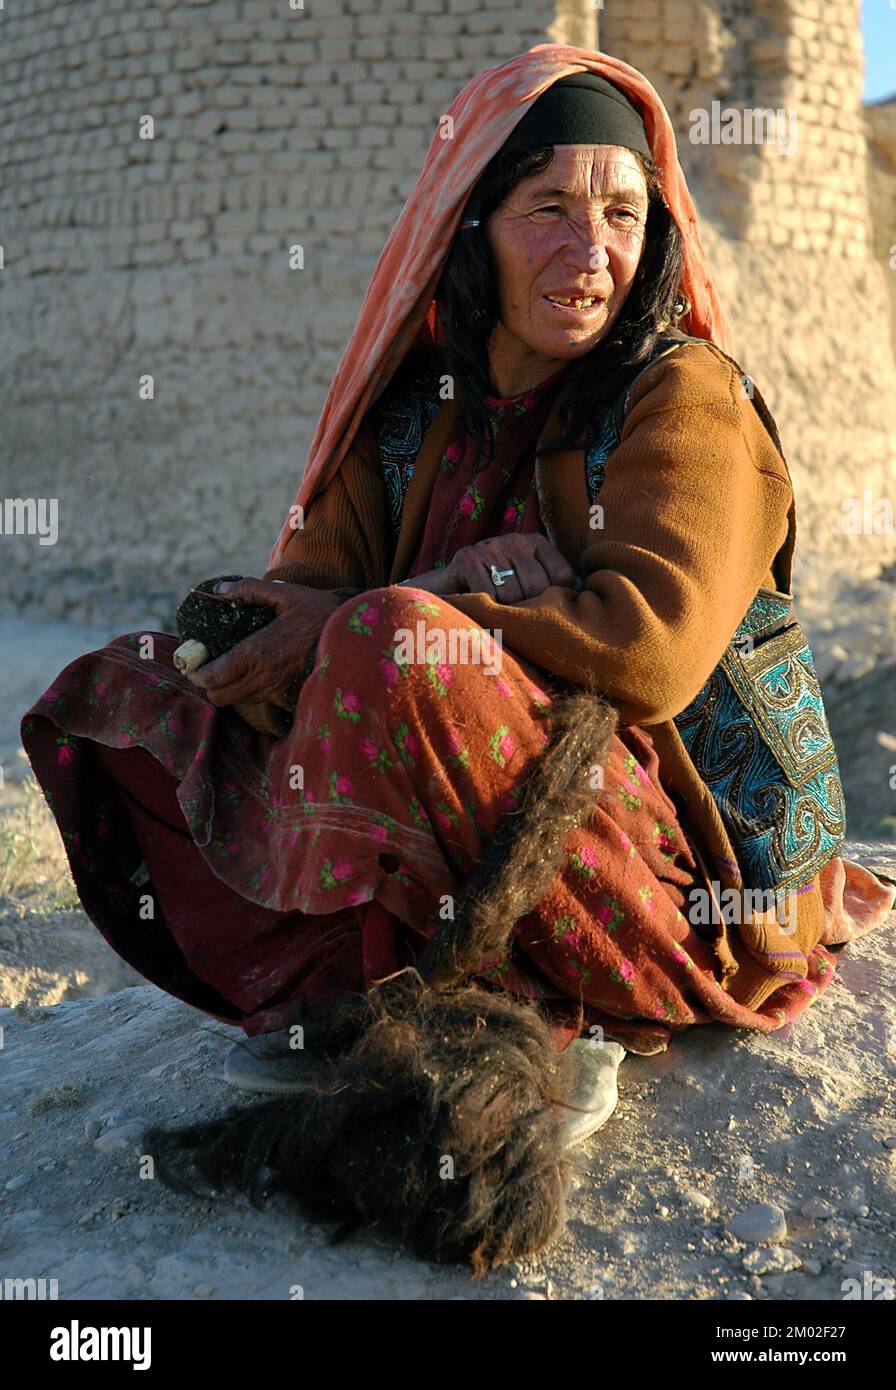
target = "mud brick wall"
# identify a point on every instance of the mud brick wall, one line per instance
(127, 258)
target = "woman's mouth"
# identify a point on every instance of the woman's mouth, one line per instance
(585, 307)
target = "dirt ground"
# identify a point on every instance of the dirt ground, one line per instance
(802, 1120)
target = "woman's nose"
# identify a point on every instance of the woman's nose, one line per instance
(587, 237)
(586, 251)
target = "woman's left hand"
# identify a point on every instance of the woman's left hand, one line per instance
(259, 669)
(264, 718)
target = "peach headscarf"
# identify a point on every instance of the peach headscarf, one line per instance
(399, 307)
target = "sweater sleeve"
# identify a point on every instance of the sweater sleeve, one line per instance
(695, 503)
(342, 545)
(343, 542)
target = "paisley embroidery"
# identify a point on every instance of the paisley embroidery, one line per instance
(597, 450)
(400, 419)
(758, 735)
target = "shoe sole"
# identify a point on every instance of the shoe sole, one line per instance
(595, 1093)
(278, 1076)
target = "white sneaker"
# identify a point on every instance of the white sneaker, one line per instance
(594, 1093)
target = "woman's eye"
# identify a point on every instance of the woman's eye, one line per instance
(616, 212)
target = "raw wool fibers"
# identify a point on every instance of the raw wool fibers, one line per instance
(210, 624)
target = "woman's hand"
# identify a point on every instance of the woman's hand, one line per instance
(537, 564)
(258, 670)
(264, 717)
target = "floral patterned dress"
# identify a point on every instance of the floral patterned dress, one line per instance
(242, 872)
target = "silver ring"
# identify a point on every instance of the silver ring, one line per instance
(500, 577)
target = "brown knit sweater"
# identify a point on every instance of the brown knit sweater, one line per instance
(697, 516)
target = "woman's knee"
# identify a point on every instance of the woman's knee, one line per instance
(407, 627)
(388, 614)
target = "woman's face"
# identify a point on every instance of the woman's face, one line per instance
(575, 229)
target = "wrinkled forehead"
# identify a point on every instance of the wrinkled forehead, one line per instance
(588, 170)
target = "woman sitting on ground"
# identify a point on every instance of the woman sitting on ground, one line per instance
(435, 869)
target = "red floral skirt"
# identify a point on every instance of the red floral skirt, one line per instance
(242, 872)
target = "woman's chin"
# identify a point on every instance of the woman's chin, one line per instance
(577, 336)
(572, 343)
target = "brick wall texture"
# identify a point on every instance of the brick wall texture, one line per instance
(129, 260)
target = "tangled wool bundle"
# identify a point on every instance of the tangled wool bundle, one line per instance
(519, 863)
(439, 1124)
(210, 624)
(440, 1115)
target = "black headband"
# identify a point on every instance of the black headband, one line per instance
(581, 109)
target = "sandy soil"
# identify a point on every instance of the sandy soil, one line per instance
(802, 1119)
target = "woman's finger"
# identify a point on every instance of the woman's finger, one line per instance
(481, 581)
(259, 591)
(245, 690)
(264, 717)
(224, 670)
(528, 578)
(554, 562)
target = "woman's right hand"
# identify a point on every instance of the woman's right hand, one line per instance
(261, 668)
(537, 565)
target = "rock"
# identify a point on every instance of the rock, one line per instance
(761, 1222)
(855, 1203)
(771, 1260)
(15, 1183)
(126, 1136)
(826, 664)
(856, 667)
(95, 1124)
(817, 1209)
(690, 1197)
(632, 1242)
